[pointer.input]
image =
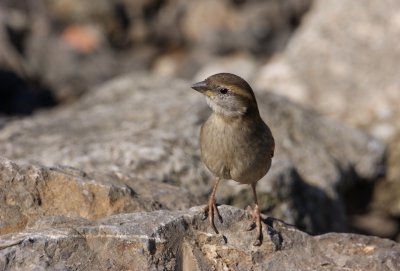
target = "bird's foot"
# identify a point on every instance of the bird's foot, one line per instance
(256, 221)
(211, 208)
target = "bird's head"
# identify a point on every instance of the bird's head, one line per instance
(228, 95)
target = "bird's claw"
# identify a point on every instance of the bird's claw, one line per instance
(211, 209)
(251, 226)
(256, 221)
(257, 242)
(217, 213)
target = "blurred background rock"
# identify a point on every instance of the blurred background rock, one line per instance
(340, 58)
(70, 46)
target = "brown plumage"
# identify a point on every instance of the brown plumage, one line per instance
(235, 142)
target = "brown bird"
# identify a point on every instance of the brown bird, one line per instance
(235, 142)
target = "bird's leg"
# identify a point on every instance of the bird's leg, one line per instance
(211, 207)
(256, 218)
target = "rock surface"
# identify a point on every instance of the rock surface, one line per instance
(29, 193)
(148, 126)
(351, 74)
(181, 240)
(352, 69)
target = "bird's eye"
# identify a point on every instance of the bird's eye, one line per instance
(223, 90)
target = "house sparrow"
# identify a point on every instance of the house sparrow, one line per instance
(235, 142)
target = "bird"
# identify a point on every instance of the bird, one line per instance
(235, 143)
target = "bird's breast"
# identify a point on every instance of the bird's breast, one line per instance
(234, 151)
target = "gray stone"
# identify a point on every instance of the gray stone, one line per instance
(29, 193)
(181, 240)
(352, 68)
(354, 62)
(343, 61)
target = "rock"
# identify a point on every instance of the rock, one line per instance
(350, 73)
(181, 240)
(385, 206)
(260, 27)
(242, 65)
(352, 61)
(377, 224)
(45, 43)
(147, 127)
(279, 76)
(28, 193)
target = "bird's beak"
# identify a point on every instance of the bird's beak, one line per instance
(203, 87)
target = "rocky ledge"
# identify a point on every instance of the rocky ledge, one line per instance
(62, 218)
(181, 240)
